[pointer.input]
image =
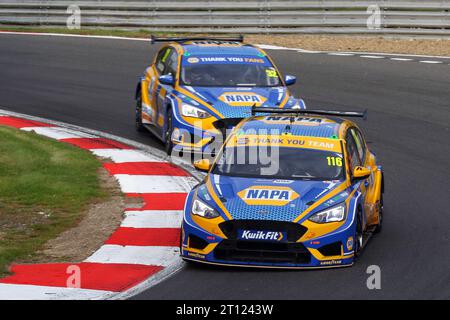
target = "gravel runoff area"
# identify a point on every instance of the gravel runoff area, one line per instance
(357, 43)
(435, 47)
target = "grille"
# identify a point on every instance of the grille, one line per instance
(332, 249)
(241, 211)
(262, 251)
(197, 243)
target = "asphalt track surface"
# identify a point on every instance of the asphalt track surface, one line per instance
(91, 82)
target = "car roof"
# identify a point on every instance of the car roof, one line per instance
(219, 47)
(298, 125)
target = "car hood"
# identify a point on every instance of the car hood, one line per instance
(235, 102)
(266, 199)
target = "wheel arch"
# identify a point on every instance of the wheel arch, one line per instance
(168, 107)
(138, 90)
(139, 87)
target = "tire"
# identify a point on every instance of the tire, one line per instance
(168, 133)
(359, 236)
(379, 227)
(186, 261)
(181, 239)
(190, 263)
(138, 114)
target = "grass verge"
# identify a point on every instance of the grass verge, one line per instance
(44, 187)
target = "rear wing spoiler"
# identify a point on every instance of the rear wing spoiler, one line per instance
(227, 123)
(154, 39)
(354, 114)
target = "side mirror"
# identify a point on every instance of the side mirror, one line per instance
(202, 165)
(167, 79)
(290, 80)
(361, 173)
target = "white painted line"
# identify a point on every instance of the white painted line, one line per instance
(431, 61)
(152, 219)
(120, 156)
(401, 59)
(154, 184)
(399, 55)
(72, 35)
(373, 57)
(145, 255)
(156, 278)
(340, 54)
(307, 51)
(31, 292)
(270, 47)
(58, 132)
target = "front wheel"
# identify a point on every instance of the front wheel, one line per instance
(359, 236)
(380, 215)
(168, 133)
(138, 114)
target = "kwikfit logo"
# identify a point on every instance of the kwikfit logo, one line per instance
(261, 235)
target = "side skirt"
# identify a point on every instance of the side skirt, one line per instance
(156, 132)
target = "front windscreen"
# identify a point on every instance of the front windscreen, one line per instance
(228, 71)
(280, 163)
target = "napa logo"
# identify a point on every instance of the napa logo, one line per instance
(304, 121)
(244, 99)
(268, 195)
(193, 60)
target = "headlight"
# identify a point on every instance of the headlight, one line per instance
(190, 111)
(201, 209)
(334, 214)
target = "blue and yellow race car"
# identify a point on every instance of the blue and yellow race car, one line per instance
(194, 82)
(290, 189)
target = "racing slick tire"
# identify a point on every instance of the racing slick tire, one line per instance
(379, 226)
(186, 261)
(138, 114)
(168, 133)
(359, 235)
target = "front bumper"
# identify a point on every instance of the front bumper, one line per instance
(195, 137)
(199, 136)
(332, 250)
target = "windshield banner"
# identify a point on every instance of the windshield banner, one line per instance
(226, 59)
(325, 144)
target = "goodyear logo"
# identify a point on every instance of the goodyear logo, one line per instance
(267, 195)
(330, 262)
(244, 99)
(261, 235)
